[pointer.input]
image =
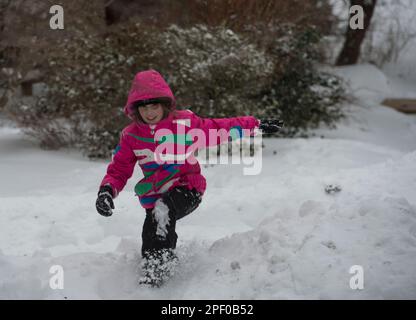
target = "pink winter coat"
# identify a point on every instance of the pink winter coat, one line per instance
(140, 143)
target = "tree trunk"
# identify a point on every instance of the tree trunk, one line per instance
(350, 53)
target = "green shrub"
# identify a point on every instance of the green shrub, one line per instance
(214, 70)
(263, 71)
(301, 93)
(87, 85)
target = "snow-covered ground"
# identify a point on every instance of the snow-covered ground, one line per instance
(276, 235)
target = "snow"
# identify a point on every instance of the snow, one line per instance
(276, 235)
(161, 213)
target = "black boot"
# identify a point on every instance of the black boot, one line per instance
(157, 267)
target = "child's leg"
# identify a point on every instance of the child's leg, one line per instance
(160, 223)
(182, 201)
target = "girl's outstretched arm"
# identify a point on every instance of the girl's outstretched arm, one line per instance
(235, 127)
(121, 167)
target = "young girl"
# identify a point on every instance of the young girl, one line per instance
(171, 190)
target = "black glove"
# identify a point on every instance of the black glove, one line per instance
(270, 125)
(104, 203)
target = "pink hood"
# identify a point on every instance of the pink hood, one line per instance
(147, 85)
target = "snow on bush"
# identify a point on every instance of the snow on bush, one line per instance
(212, 70)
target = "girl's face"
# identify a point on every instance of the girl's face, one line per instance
(151, 113)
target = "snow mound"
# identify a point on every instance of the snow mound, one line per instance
(307, 253)
(365, 81)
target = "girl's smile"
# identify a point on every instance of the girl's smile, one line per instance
(151, 113)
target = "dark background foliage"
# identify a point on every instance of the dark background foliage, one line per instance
(222, 58)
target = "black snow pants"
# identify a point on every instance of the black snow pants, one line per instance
(181, 201)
